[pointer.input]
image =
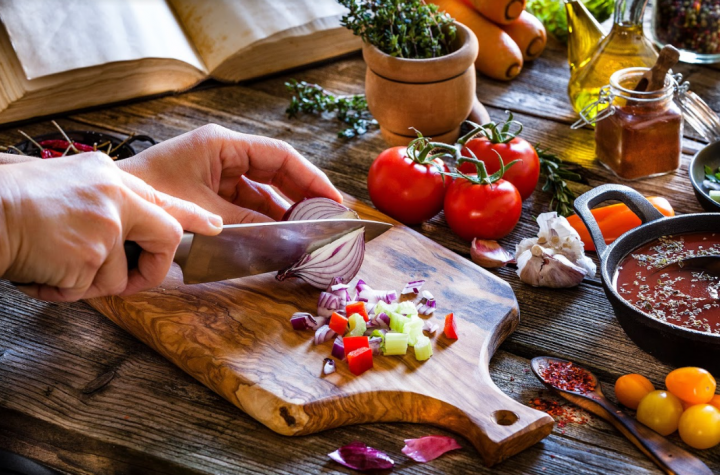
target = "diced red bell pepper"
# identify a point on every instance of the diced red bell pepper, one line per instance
(360, 360)
(338, 323)
(357, 307)
(352, 343)
(450, 327)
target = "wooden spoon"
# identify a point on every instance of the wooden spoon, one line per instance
(654, 79)
(669, 457)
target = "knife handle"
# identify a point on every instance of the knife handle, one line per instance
(132, 253)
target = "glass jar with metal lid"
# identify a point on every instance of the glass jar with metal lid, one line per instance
(638, 134)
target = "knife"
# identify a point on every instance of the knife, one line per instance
(248, 249)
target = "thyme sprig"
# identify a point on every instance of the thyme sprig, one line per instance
(402, 28)
(313, 99)
(556, 171)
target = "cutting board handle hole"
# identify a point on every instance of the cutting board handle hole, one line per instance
(505, 418)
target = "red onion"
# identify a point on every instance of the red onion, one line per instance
(413, 287)
(359, 456)
(341, 258)
(328, 303)
(366, 294)
(318, 208)
(375, 343)
(338, 349)
(323, 334)
(430, 326)
(382, 321)
(305, 321)
(427, 304)
(429, 447)
(328, 366)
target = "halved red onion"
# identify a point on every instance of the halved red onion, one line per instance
(341, 258)
(305, 321)
(413, 287)
(489, 254)
(318, 208)
(328, 303)
(323, 334)
(328, 366)
(338, 349)
(359, 456)
(429, 447)
(427, 303)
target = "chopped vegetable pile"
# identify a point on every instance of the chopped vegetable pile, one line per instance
(374, 322)
(712, 182)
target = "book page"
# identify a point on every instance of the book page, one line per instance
(221, 28)
(55, 36)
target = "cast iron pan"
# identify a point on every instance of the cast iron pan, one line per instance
(709, 156)
(670, 344)
(126, 150)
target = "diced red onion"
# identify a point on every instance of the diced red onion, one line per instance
(430, 326)
(375, 343)
(338, 349)
(318, 208)
(339, 289)
(341, 258)
(382, 321)
(328, 303)
(305, 321)
(413, 287)
(323, 334)
(366, 294)
(328, 366)
(359, 456)
(427, 295)
(427, 304)
(429, 447)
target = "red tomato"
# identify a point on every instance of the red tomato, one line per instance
(484, 211)
(524, 174)
(404, 189)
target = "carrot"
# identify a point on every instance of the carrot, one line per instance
(499, 56)
(529, 34)
(501, 12)
(615, 220)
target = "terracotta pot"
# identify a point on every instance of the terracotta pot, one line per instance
(432, 95)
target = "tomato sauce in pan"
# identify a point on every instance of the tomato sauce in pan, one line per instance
(682, 297)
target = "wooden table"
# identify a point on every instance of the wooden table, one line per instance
(81, 395)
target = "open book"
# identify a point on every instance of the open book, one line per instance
(62, 55)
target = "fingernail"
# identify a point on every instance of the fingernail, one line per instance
(216, 221)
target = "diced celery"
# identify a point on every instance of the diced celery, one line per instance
(386, 308)
(414, 329)
(395, 344)
(397, 322)
(715, 194)
(423, 348)
(357, 325)
(406, 308)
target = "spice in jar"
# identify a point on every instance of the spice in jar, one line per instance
(640, 133)
(691, 25)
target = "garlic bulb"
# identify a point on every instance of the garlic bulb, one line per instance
(555, 258)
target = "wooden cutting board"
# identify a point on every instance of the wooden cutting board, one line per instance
(235, 337)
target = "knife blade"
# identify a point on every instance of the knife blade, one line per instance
(248, 249)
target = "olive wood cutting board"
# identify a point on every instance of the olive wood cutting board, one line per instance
(235, 337)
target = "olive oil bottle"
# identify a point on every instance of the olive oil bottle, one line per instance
(594, 58)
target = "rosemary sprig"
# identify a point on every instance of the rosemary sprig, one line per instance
(313, 99)
(556, 172)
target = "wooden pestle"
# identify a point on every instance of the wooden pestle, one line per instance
(654, 79)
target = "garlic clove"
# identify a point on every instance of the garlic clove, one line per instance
(489, 254)
(546, 270)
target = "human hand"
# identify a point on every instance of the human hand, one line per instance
(66, 219)
(229, 173)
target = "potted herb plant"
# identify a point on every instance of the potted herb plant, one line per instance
(419, 67)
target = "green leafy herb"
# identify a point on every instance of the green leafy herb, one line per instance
(712, 175)
(403, 28)
(552, 14)
(556, 172)
(313, 99)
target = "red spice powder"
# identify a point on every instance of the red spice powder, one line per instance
(562, 414)
(567, 377)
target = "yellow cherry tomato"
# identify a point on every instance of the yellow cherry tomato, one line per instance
(660, 411)
(693, 385)
(631, 388)
(715, 401)
(699, 426)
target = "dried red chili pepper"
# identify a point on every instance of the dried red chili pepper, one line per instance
(568, 377)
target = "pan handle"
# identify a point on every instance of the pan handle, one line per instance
(634, 200)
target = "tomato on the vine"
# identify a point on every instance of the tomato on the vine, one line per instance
(407, 183)
(481, 205)
(498, 139)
